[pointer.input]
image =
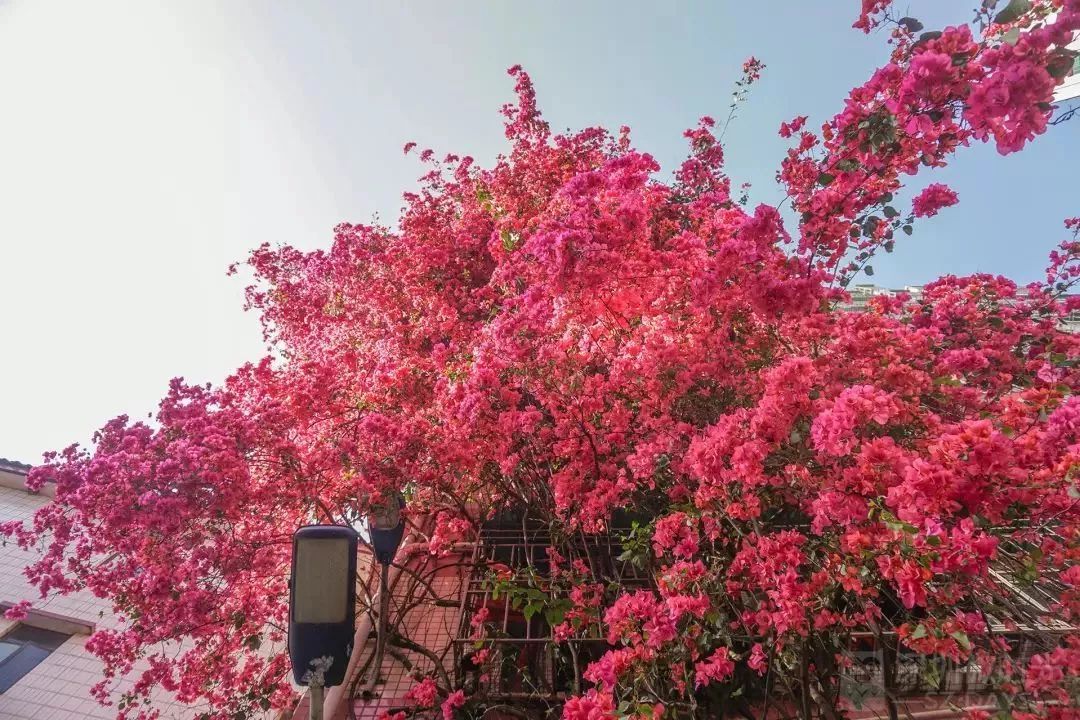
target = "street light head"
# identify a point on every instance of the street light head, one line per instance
(322, 603)
(386, 526)
(386, 515)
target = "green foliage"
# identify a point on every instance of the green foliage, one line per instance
(1013, 11)
(637, 545)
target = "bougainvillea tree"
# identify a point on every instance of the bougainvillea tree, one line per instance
(572, 332)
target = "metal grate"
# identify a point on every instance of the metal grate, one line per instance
(525, 662)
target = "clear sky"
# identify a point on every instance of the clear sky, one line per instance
(145, 145)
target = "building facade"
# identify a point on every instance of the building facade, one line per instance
(862, 293)
(46, 673)
(1070, 89)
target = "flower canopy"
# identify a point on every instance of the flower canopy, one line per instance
(573, 332)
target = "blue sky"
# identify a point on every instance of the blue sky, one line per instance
(146, 146)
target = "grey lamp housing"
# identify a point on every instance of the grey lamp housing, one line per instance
(322, 603)
(387, 527)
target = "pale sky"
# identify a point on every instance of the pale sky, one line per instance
(145, 145)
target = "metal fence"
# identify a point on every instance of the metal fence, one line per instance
(525, 663)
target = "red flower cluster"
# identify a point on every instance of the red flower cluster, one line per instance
(933, 198)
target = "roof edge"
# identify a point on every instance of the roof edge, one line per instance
(13, 466)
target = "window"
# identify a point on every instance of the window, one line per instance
(22, 649)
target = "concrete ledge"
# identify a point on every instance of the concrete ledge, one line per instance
(17, 481)
(52, 621)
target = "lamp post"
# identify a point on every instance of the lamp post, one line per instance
(322, 607)
(387, 528)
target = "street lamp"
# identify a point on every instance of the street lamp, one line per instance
(387, 528)
(322, 607)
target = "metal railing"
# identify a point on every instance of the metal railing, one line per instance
(524, 660)
(525, 663)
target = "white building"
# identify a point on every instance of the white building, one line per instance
(45, 671)
(1070, 89)
(862, 292)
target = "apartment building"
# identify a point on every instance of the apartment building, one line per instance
(45, 670)
(862, 293)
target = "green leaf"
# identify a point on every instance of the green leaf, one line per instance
(961, 638)
(920, 632)
(890, 211)
(907, 229)
(931, 674)
(932, 35)
(894, 523)
(847, 165)
(825, 178)
(531, 609)
(1060, 64)
(555, 614)
(509, 240)
(869, 270)
(889, 246)
(911, 24)
(1013, 11)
